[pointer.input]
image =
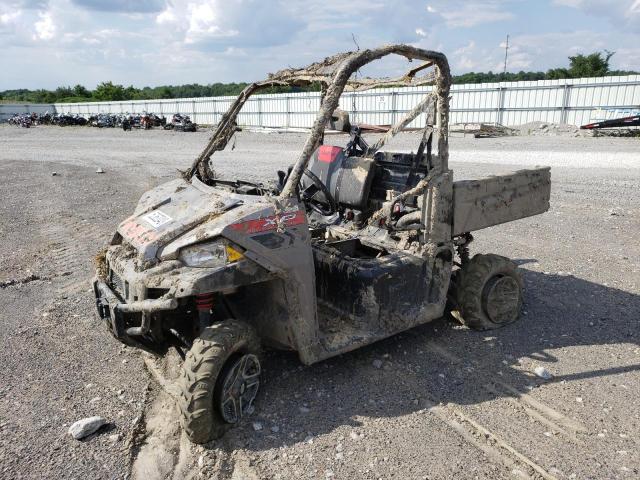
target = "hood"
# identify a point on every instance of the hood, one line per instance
(171, 209)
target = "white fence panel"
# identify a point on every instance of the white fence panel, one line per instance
(575, 101)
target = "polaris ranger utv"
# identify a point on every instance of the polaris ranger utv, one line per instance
(352, 245)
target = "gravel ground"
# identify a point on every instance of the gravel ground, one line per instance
(445, 402)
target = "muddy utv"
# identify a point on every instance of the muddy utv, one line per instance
(352, 245)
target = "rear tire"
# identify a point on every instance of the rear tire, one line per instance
(488, 293)
(209, 375)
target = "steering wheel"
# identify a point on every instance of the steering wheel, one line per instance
(309, 192)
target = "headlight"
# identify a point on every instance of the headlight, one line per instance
(210, 255)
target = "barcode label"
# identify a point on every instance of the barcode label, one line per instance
(157, 218)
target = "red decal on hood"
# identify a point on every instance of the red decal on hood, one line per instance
(270, 223)
(138, 235)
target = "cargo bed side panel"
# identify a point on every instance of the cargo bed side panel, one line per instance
(494, 200)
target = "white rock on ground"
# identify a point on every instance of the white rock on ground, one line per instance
(543, 373)
(85, 427)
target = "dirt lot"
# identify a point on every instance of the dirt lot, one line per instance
(446, 402)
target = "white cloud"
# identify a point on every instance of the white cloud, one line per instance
(621, 13)
(206, 20)
(122, 6)
(465, 14)
(160, 42)
(516, 61)
(627, 58)
(44, 28)
(167, 16)
(464, 56)
(9, 18)
(226, 23)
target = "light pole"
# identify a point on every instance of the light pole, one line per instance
(506, 55)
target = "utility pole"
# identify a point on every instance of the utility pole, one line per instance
(506, 55)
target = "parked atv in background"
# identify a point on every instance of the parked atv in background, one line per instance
(352, 245)
(181, 123)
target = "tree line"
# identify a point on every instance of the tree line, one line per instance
(580, 66)
(591, 65)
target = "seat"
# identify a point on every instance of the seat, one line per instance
(348, 179)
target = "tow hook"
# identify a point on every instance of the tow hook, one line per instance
(146, 307)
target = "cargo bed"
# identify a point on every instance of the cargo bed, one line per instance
(493, 200)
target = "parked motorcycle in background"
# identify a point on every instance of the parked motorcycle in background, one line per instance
(126, 121)
(21, 120)
(145, 121)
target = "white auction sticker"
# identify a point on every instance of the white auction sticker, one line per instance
(157, 218)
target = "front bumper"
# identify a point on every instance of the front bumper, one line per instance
(118, 315)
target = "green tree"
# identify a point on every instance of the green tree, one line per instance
(557, 73)
(162, 92)
(108, 91)
(62, 92)
(81, 91)
(592, 65)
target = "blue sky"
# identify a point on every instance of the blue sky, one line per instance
(47, 43)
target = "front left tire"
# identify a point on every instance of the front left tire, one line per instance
(219, 380)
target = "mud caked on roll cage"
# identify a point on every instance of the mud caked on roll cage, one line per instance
(334, 75)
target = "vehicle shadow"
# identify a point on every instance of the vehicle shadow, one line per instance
(440, 362)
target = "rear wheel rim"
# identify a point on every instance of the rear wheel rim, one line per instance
(239, 388)
(501, 299)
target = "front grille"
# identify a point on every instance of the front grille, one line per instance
(118, 284)
(120, 257)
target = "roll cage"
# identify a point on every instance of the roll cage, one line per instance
(334, 74)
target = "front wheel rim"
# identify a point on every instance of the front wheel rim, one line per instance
(239, 388)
